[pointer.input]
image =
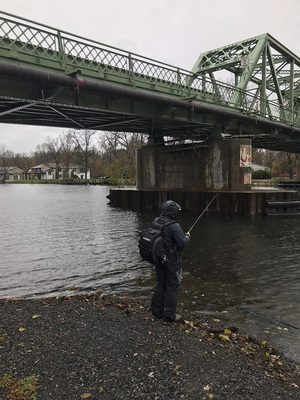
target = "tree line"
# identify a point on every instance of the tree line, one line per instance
(107, 154)
(112, 154)
(279, 162)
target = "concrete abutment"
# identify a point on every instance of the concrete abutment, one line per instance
(194, 168)
(191, 175)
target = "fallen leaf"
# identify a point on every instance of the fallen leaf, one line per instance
(85, 395)
(263, 343)
(210, 396)
(225, 338)
(216, 320)
(207, 387)
(227, 331)
(35, 316)
(73, 288)
(22, 329)
(151, 374)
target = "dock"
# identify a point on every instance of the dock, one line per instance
(250, 202)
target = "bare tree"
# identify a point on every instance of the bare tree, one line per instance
(5, 156)
(54, 148)
(109, 145)
(119, 153)
(23, 161)
(83, 145)
(96, 163)
(67, 150)
(130, 142)
(41, 154)
(258, 156)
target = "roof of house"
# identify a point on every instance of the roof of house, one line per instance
(44, 167)
(47, 166)
(256, 167)
(16, 170)
(12, 170)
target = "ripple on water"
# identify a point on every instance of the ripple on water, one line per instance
(54, 237)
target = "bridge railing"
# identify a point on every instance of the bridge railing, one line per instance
(28, 43)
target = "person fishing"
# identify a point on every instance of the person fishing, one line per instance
(169, 270)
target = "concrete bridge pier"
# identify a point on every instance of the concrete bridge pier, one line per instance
(191, 174)
(223, 165)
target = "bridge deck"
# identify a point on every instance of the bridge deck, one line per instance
(51, 77)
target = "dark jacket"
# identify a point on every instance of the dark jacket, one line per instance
(174, 237)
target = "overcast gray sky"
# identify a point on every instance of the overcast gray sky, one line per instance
(171, 31)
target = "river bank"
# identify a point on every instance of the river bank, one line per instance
(99, 347)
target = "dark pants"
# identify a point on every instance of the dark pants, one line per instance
(164, 300)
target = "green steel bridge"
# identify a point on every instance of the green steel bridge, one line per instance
(49, 77)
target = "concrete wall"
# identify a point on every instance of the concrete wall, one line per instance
(216, 167)
(230, 202)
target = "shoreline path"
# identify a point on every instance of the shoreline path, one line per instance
(111, 347)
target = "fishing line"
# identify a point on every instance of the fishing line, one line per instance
(203, 212)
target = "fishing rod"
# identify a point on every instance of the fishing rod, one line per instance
(203, 212)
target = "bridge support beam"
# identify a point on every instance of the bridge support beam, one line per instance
(221, 166)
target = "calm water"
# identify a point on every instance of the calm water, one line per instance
(57, 237)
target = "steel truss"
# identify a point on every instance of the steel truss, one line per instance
(54, 78)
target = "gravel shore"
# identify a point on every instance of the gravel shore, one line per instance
(99, 347)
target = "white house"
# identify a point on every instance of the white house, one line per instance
(12, 173)
(258, 167)
(48, 171)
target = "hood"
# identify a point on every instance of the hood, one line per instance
(170, 209)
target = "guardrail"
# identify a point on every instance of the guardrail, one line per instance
(27, 43)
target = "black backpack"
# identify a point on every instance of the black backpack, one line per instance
(151, 243)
